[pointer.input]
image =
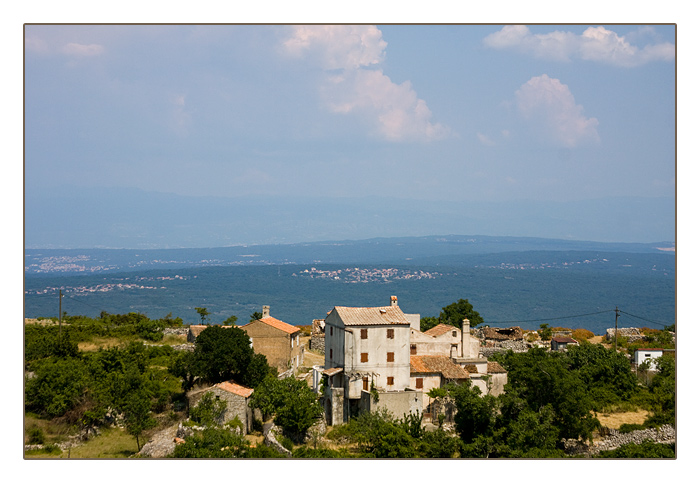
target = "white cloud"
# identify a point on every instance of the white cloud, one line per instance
(485, 140)
(551, 110)
(82, 50)
(353, 84)
(339, 46)
(596, 44)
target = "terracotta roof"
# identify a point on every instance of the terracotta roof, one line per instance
(439, 364)
(391, 315)
(564, 340)
(495, 368)
(277, 324)
(234, 388)
(439, 330)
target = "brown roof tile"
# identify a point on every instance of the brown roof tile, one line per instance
(495, 368)
(234, 388)
(277, 324)
(437, 364)
(391, 315)
(439, 330)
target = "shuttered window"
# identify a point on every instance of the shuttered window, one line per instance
(389, 333)
(390, 357)
(419, 383)
(364, 357)
(363, 333)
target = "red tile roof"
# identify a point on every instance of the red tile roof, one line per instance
(439, 330)
(277, 324)
(437, 364)
(234, 388)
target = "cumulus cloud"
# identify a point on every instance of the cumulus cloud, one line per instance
(551, 110)
(353, 84)
(596, 44)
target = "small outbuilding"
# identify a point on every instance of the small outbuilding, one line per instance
(561, 343)
(236, 398)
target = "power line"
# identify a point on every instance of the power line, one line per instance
(552, 318)
(642, 318)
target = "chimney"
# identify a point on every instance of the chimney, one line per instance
(266, 311)
(465, 335)
(394, 301)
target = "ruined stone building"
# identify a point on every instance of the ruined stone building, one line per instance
(234, 395)
(278, 341)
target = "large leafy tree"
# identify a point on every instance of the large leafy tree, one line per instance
(222, 354)
(453, 314)
(294, 405)
(605, 372)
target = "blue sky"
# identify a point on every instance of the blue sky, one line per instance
(462, 112)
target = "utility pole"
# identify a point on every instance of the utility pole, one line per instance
(617, 315)
(60, 312)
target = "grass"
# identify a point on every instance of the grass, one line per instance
(112, 443)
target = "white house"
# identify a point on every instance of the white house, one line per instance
(643, 355)
(367, 361)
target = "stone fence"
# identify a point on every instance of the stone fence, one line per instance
(665, 434)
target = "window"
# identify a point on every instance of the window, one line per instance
(390, 357)
(331, 330)
(389, 333)
(454, 333)
(414, 351)
(331, 354)
(365, 383)
(419, 383)
(363, 333)
(389, 381)
(364, 357)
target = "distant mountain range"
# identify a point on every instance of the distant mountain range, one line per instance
(130, 218)
(425, 251)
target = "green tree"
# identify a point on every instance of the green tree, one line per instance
(230, 321)
(256, 316)
(137, 414)
(293, 403)
(209, 411)
(203, 313)
(455, 313)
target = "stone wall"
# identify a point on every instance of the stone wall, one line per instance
(631, 333)
(317, 343)
(666, 434)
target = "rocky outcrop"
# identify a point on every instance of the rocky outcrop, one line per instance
(270, 433)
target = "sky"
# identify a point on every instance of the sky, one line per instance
(446, 112)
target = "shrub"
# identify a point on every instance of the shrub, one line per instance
(36, 435)
(582, 334)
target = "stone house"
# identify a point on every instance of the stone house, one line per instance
(236, 398)
(367, 361)
(278, 341)
(465, 351)
(561, 343)
(445, 340)
(434, 371)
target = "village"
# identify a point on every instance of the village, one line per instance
(370, 359)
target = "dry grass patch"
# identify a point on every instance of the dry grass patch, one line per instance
(615, 420)
(100, 343)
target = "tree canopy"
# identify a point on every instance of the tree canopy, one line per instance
(453, 314)
(222, 354)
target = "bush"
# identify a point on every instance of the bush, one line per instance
(582, 334)
(36, 436)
